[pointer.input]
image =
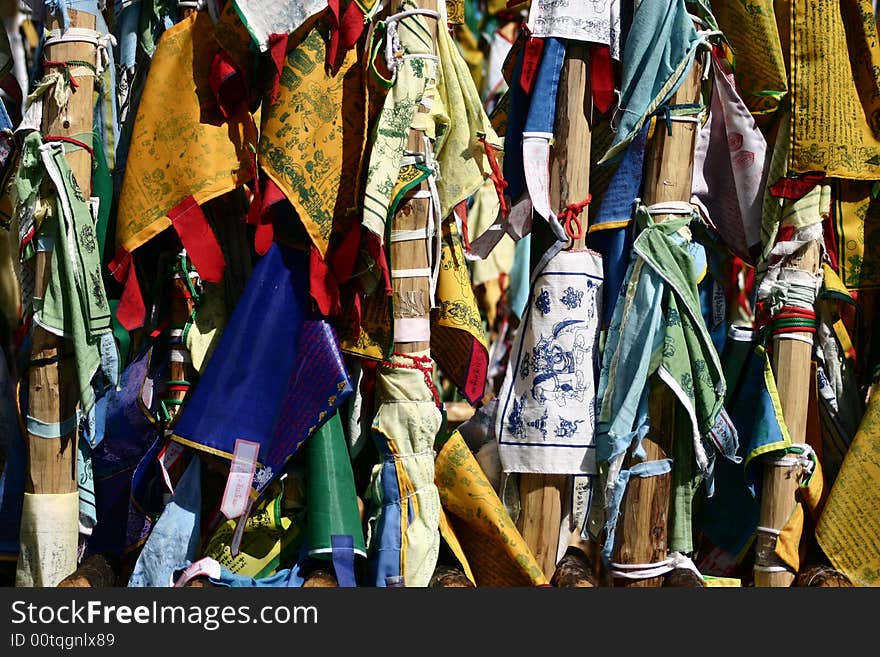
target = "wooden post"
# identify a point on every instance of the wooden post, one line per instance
(413, 215)
(53, 392)
(791, 368)
(641, 530)
(541, 494)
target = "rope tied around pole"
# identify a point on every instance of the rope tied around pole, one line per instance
(570, 217)
(674, 561)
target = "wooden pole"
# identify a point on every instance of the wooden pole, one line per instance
(413, 215)
(791, 368)
(641, 530)
(53, 392)
(541, 494)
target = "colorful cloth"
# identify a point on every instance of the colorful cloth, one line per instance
(546, 418)
(180, 146)
(175, 538)
(413, 72)
(458, 341)
(312, 137)
(659, 51)
(658, 328)
(275, 376)
(596, 21)
(729, 172)
(834, 120)
(495, 552)
(403, 534)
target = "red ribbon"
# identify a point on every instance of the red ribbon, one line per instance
(198, 239)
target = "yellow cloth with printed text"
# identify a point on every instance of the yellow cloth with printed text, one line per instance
(496, 552)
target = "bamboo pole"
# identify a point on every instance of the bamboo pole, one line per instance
(641, 536)
(791, 368)
(541, 494)
(53, 393)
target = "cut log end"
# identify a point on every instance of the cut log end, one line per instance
(449, 577)
(95, 572)
(320, 578)
(683, 578)
(574, 570)
(823, 577)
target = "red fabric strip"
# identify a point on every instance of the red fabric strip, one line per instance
(228, 85)
(601, 77)
(277, 51)
(323, 287)
(198, 239)
(796, 188)
(131, 310)
(531, 63)
(477, 373)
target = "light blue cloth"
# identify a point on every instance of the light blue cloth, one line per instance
(659, 51)
(175, 538)
(660, 294)
(518, 290)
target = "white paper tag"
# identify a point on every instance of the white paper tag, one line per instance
(241, 476)
(169, 455)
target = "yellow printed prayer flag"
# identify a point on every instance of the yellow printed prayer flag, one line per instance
(835, 86)
(179, 148)
(494, 548)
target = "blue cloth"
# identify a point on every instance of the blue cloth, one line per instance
(240, 393)
(175, 538)
(542, 108)
(614, 242)
(512, 165)
(518, 290)
(385, 554)
(13, 473)
(125, 434)
(729, 519)
(658, 52)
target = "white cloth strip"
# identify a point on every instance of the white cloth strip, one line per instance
(180, 356)
(409, 235)
(412, 329)
(394, 18)
(772, 569)
(770, 530)
(671, 207)
(423, 272)
(794, 336)
(416, 55)
(176, 333)
(72, 35)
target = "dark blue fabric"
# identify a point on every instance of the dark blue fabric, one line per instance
(615, 244)
(516, 122)
(240, 393)
(13, 475)
(542, 109)
(125, 435)
(343, 560)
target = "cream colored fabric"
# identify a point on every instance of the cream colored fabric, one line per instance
(49, 535)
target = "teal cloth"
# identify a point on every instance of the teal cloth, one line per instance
(659, 51)
(657, 328)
